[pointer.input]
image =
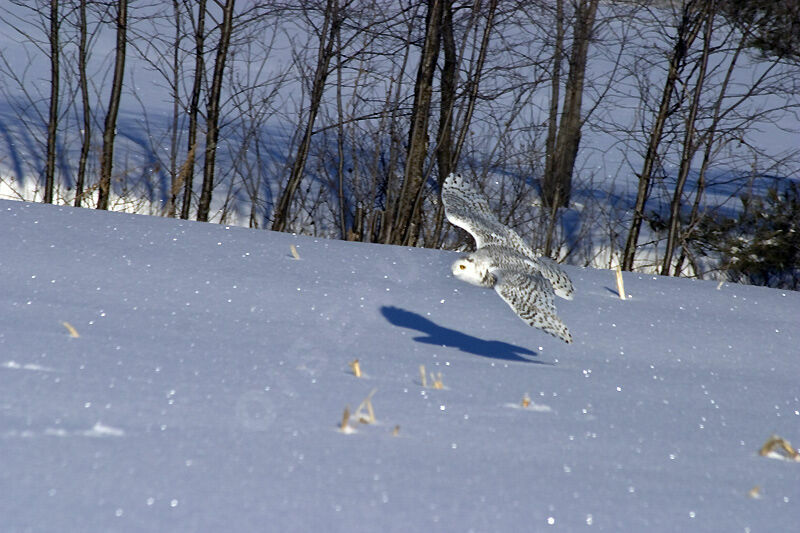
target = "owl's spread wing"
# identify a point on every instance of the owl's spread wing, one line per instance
(553, 273)
(469, 209)
(530, 295)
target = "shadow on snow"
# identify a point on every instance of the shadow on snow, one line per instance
(441, 336)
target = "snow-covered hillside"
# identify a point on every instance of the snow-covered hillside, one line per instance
(158, 375)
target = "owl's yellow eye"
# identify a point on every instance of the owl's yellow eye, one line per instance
(462, 267)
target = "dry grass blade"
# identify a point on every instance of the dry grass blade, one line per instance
(355, 366)
(526, 400)
(72, 331)
(369, 418)
(779, 446)
(620, 285)
(344, 426)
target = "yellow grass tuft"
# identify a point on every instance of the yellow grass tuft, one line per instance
(369, 418)
(396, 431)
(344, 427)
(355, 366)
(294, 251)
(436, 380)
(526, 400)
(72, 331)
(780, 446)
(620, 284)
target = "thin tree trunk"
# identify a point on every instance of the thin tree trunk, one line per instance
(187, 170)
(340, 141)
(555, 91)
(709, 139)
(472, 96)
(52, 121)
(552, 128)
(687, 31)
(385, 221)
(449, 82)
(110, 126)
(693, 216)
(212, 112)
(557, 185)
(356, 179)
(557, 182)
(689, 147)
(474, 84)
(175, 185)
(408, 209)
(86, 140)
(444, 145)
(327, 38)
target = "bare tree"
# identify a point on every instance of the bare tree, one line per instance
(110, 125)
(463, 121)
(212, 111)
(733, 109)
(175, 82)
(340, 141)
(86, 112)
(52, 121)
(563, 145)
(255, 85)
(406, 212)
(38, 24)
(449, 83)
(187, 169)
(158, 40)
(448, 147)
(689, 142)
(331, 25)
(690, 22)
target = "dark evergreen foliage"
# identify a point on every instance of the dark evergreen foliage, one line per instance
(761, 245)
(774, 24)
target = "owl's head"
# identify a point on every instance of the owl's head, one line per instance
(467, 270)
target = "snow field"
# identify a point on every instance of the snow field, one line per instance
(206, 386)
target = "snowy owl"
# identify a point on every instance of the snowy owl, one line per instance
(503, 261)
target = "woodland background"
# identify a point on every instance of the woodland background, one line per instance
(654, 136)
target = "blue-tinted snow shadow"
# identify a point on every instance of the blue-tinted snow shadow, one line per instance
(615, 292)
(441, 336)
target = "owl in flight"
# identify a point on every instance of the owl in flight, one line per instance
(504, 262)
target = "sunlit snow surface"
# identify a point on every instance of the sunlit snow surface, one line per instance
(206, 386)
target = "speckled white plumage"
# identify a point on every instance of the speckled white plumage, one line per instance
(503, 261)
